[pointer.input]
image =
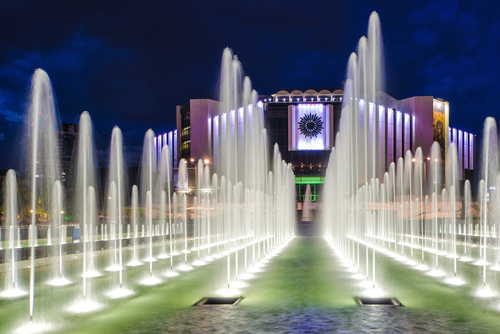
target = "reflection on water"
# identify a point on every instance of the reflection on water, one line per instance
(241, 319)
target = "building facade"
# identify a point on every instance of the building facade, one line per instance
(304, 122)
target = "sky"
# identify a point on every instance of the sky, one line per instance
(129, 63)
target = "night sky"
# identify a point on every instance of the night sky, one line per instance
(129, 63)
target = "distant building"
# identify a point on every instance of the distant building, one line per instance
(68, 138)
(304, 122)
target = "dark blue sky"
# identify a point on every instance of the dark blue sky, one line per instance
(130, 63)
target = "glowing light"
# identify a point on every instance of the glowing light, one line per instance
(185, 267)
(496, 267)
(466, 259)
(366, 284)
(237, 285)
(134, 263)
(260, 265)
(352, 270)
(484, 292)
(91, 274)
(13, 293)
(119, 293)
(358, 276)
(246, 276)
(59, 281)
(457, 281)
(228, 292)
(199, 263)
(411, 263)
(150, 280)
(436, 273)
(171, 273)
(34, 327)
(163, 256)
(84, 306)
(255, 270)
(374, 293)
(481, 262)
(422, 267)
(113, 267)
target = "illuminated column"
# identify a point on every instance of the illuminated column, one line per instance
(175, 150)
(390, 136)
(382, 157)
(460, 155)
(466, 150)
(399, 135)
(407, 133)
(216, 141)
(471, 151)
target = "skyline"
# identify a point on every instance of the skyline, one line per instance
(131, 65)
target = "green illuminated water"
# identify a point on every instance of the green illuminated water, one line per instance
(303, 289)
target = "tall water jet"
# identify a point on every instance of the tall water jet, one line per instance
(86, 211)
(135, 222)
(183, 190)
(12, 288)
(43, 157)
(148, 188)
(57, 211)
(467, 213)
(116, 202)
(306, 205)
(488, 185)
(166, 185)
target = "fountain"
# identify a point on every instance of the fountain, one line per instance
(241, 216)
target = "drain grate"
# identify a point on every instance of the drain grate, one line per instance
(218, 301)
(368, 301)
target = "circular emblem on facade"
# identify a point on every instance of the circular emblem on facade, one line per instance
(310, 125)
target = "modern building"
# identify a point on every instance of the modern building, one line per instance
(304, 122)
(68, 137)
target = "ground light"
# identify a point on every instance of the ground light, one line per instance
(119, 293)
(84, 306)
(199, 263)
(134, 263)
(185, 267)
(171, 273)
(113, 268)
(13, 293)
(372, 301)
(484, 292)
(436, 273)
(219, 301)
(33, 327)
(228, 292)
(422, 267)
(59, 281)
(163, 256)
(91, 274)
(496, 267)
(150, 280)
(455, 280)
(246, 276)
